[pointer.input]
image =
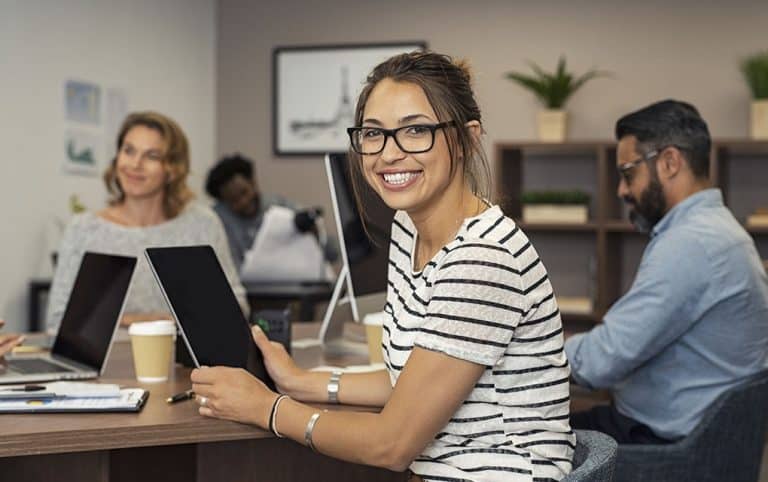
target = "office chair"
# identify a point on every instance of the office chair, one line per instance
(594, 459)
(726, 445)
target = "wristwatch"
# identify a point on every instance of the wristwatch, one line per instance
(333, 386)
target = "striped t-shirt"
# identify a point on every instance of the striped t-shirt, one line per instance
(485, 297)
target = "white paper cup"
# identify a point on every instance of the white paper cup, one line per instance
(152, 343)
(373, 328)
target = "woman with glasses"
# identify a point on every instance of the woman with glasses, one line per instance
(150, 205)
(476, 381)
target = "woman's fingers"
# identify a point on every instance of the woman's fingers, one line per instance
(9, 342)
(204, 375)
(260, 338)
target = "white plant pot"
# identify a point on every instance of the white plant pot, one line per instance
(759, 124)
(552, 125)
(555, 213)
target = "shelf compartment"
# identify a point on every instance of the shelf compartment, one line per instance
(554, 227)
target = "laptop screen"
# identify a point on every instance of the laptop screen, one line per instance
(94, 308)
(203, 303)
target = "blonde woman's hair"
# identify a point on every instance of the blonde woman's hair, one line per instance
(175, 160)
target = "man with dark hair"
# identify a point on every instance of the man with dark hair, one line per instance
(695, 320)
(241, 206)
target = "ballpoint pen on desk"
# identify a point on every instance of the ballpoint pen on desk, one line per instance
(25, 388)
(179, 397)
(25, 392)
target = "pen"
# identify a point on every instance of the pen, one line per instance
(186, 395)
(25, 388)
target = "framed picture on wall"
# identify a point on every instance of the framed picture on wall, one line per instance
(314, 90)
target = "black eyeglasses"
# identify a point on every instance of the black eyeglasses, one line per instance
(413, 139)
(626, 169)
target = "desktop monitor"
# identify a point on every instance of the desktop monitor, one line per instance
(365, 256)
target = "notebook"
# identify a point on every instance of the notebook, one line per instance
(90, 320)
(129, 400)
(210, 320)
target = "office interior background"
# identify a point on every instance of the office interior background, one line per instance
(207, 63)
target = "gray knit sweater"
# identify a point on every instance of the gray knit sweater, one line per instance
(196, 225)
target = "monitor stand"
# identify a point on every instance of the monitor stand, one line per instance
(331, 336)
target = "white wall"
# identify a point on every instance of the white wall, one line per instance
(687, 49)
(162, 53)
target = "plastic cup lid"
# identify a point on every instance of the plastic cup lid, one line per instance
(159, 327)
(375, 318)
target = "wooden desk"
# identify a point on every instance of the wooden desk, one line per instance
(168, 443)
(164, 442)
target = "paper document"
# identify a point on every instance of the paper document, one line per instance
(281, 253)
(59, 390)
(128, 400)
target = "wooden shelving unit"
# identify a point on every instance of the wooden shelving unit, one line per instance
(738, 167)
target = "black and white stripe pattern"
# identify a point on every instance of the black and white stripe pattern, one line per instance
(485, 298)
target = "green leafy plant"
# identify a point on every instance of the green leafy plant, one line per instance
(553, 89)
(555, 197)
(755, 70)
(75, 206)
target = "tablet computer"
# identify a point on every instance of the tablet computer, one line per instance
(206, 310)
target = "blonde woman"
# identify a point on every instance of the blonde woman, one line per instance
(150, 205)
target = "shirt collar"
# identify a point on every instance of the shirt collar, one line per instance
(707, 198)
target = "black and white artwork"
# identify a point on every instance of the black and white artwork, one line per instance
(315, 90)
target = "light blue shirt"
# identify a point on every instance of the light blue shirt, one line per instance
(693, 324)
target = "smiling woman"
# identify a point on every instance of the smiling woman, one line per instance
(476, 380)
(150, 205)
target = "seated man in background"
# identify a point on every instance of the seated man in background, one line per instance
(695, 320)
(241, 206)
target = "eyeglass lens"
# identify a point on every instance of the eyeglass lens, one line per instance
(416, 138)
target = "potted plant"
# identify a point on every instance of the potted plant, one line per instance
(553, 90)
(555, 207)
(755, 70)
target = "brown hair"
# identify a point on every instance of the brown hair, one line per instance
(447, 86)
(176, 161)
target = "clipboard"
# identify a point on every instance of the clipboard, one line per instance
(130, 400)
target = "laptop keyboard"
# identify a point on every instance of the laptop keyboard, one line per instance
(36, 366)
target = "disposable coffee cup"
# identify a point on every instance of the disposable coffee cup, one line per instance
(152, 343)
(373, 327)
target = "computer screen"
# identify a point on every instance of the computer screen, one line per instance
(367, 257)
(93, 309)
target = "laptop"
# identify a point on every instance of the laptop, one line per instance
(209, 318)
(90, 320)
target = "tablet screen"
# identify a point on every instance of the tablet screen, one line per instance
(209, 316)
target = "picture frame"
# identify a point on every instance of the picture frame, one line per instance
(311, 119)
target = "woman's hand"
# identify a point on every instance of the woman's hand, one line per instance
(278, 362)
(232, 394)
(9, 342)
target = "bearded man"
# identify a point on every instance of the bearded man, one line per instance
(695, 321)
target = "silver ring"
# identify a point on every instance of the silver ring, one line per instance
(203, 401)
